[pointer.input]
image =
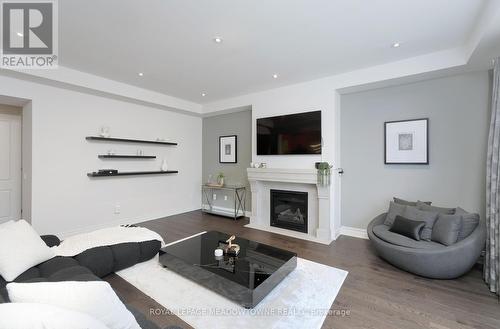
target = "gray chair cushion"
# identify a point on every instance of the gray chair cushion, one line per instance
(382, 232)
(425, 216)
(446, 229)
(409, 203)
(469, 223)
(425, 207)
(395, 209)
(407, 227)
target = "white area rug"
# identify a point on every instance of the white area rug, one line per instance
(301, 300)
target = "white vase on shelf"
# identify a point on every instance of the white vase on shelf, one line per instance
(164, 165)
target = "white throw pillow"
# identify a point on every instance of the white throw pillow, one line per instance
(95, 298)
(43, 316)
(20, 249)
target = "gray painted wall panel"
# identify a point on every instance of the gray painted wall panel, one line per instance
(240, 124)
(458, 109)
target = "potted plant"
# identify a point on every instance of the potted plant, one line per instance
(220, 179)
(324, 173)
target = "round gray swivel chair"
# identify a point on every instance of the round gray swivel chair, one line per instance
(436, 262)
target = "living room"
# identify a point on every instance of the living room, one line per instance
(212, 164)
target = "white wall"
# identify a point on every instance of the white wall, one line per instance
(295, 100)
(239, 124)
(64, 199)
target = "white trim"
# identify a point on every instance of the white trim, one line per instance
(228, 211)
(353, 232)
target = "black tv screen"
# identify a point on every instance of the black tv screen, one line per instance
(289, 134)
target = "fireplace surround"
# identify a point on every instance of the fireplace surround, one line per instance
(320, 223)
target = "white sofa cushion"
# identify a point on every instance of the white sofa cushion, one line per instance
(43, 316)
(95, 298)
(20, 249)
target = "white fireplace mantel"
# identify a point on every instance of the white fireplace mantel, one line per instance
(263, 179)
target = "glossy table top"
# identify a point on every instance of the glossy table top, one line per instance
(253, 265)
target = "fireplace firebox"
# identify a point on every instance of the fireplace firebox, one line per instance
(289, 210)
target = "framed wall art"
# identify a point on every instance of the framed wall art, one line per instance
(406, 141)
(228, 149)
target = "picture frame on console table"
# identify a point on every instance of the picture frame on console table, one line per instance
(228, 149)
(406, 142)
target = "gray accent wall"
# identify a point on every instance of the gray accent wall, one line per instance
(240, 124)
(458, 111)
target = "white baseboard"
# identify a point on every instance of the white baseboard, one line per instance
(229, 211)
(353, 232)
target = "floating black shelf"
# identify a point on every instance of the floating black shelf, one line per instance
(132, 173)
(123, 156)
(127, 140)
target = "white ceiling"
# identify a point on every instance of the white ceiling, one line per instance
(171, 40)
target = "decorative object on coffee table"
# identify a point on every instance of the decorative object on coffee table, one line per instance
(406, 142)
(257, 270)
(232, 249)
(228, 147)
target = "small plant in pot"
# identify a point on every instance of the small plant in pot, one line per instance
(324, 173)
(220, 179)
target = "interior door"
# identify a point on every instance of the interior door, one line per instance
(10, 165)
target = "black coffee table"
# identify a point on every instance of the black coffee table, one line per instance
(245, 279)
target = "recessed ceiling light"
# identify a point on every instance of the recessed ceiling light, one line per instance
(396, 45)
(275, 76)
(218, 40)
(203, 94)
(19, 34)
(140, 74)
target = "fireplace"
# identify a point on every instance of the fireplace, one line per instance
(289, 210)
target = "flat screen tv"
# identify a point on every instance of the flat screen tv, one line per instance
(289, 134)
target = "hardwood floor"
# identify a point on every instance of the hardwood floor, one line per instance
(375, 294)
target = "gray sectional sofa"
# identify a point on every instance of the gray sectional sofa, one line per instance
(427, 258)
(90, 265)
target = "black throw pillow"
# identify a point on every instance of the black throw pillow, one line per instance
(407, 227)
